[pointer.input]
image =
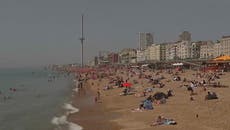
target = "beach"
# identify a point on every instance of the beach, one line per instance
(92, 115)
(115, 112)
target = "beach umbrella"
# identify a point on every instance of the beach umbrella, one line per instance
(127, 84)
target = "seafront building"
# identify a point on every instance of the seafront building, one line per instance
(195, 50)
(166, 51)
(113, 58)
(92, 63)
(147, 54)
(140, 56)
(185, 36)
(157, 52)
(170, 51)
(146, 39)
(163, 51)
(128, 56)
(225, 45)
(207, 50)
(184, 49)
(103, 57)
(217, 49)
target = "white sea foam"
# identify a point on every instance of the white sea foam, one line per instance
(73, 126)
(71, 109)
(62, 120)
(75, 89)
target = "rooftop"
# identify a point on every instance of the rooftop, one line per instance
(225, 36)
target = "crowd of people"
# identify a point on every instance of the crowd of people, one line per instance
(139, 78)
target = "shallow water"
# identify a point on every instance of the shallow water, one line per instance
(28, 101)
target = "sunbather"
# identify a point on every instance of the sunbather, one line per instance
(163, 121)
(169, 93)
(211, 96)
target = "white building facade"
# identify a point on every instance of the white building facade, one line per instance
(225, 45)
(207, 50)
(140, 56)
(183, 49)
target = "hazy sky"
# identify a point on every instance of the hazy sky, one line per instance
(40, 32)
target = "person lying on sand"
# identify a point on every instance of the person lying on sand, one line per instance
(169, 93)
(127, 91)
(211, 96)
(137, 110)
(107, 87)
(143, 94)
(144, 105)
(163, 121)
(161, 101)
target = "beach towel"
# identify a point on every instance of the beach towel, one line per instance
(169, 122)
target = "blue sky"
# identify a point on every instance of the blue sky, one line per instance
(41, 32)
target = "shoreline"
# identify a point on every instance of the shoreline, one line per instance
(91, 115)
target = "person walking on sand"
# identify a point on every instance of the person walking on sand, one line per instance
(98, 94)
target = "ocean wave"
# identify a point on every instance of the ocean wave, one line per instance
(70, 108)
(73, 126)
(75, 89)
(62, 120)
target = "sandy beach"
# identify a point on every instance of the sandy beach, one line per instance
(92, 116)
(115, 112)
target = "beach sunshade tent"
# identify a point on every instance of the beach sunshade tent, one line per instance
(222, 58)
(127, 84)
(159, 95)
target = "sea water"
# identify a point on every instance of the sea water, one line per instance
(29, 102)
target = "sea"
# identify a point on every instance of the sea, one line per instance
(35, 99)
